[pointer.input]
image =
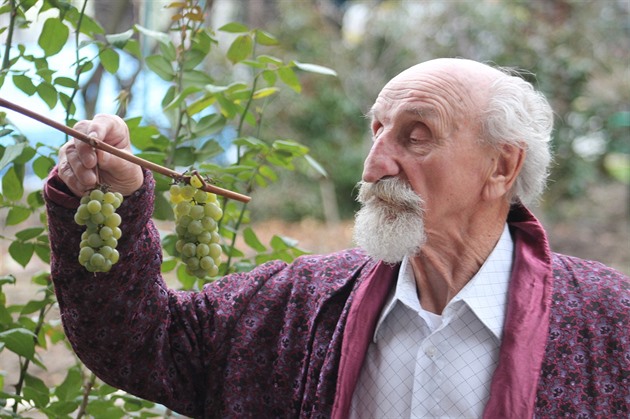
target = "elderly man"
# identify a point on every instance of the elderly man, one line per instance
(453, 306)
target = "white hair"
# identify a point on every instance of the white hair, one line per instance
(518, 114)
(390, 223)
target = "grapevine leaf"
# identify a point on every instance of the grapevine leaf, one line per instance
(16, 215)
(21, 252)
(54, 36)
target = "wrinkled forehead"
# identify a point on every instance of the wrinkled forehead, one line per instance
(433, 95)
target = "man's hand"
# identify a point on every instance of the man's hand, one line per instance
(81, 166)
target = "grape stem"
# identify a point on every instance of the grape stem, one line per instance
(96, 143)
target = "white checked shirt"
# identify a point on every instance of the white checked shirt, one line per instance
(422, 365)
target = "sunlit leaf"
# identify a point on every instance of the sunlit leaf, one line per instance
(119, 40)
(315, 68)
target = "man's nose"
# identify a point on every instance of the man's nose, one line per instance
(381, 162)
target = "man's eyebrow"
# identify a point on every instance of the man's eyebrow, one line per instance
(424, 112)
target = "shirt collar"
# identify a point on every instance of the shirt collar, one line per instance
(485, 294)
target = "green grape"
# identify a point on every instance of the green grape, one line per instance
(97, 212)
(196, 215)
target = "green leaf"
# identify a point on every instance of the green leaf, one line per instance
(25, 156)
(192, 58)
(110, 60)
(252, 240)
(35, 199)
(241, 48)
(133, 48)
(160, 66)
(11, 153)
(287, 75)
(21, 252)
(66, 82)
(16, 215)
(48, 93)
(184, 156)
(12, 187)
(290, 146)
(265, 38)
(70, 388)
(19, 341)
(36, 391)
(234, 27)
(24, 83)
(162, 209)
(43, 252)
(53, 36)
(29, 233)
(42, 166)
(119, 40)
(315, 68)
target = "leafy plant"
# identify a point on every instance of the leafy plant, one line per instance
(207, 118)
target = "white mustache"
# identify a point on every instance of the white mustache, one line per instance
(393, 192)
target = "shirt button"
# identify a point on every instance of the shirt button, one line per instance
(430, 351)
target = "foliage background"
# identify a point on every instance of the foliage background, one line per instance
(577, 52)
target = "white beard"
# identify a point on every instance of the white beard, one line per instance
(390, 224)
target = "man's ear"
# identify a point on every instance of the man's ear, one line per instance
(507, 165)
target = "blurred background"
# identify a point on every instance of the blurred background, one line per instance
(577, 52)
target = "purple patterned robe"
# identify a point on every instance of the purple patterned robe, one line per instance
(288, 340)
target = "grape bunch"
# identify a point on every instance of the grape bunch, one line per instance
(97, 211)
(196, 216)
